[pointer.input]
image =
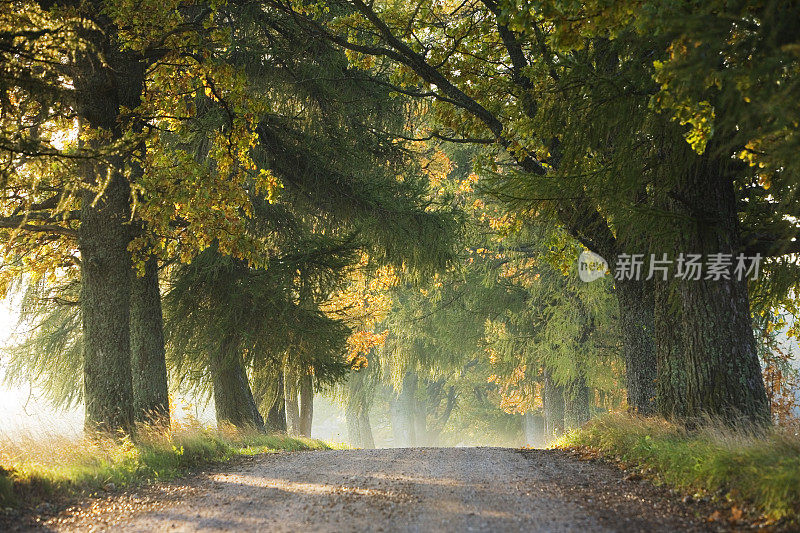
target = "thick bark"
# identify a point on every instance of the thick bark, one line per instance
(104, 80)
(276, 416)
(721, 377)
(149, 366)
(306, 404)
(105, 308)
(292, 408)
(636, 307)
(671, 367)
(233, 398)
(576, 403)
(553, 400)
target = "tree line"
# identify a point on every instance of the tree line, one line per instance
(223, 152)
(258, 161)
(640, 127)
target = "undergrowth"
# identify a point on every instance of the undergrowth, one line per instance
(759, 470)
(37, 469)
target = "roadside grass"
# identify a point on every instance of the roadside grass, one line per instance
(757, 471)
(33, 470)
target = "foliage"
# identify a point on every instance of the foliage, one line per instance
(473, 340)
(774, 333)
(48, 352)
(246, 264)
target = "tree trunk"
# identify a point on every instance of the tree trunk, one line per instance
(636, 303)
(419, 417)
(365, 429)
(306, 404)
(533, 429)
(671, 367)
(434, 432)
(105, 308)
(576, 403)
(721, 376)
(233, 398)
(353, 430)
(400, 429)
(105, 79)
(292, 409)
(406, 408)
(553, 399)
(150, 394)
(276, 417)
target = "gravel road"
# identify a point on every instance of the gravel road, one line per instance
(423, 489)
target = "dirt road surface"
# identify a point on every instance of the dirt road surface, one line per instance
(414, 490)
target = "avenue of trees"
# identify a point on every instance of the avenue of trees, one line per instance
(385, 201)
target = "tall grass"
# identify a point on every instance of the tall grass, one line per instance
(758, 469)
(33, 469)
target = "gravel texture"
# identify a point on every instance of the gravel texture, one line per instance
(405, 489)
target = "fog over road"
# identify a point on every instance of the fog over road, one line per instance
(422, 489)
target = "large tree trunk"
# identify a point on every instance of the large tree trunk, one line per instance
(671, 365)
(276, 416)
(439, 422)
(104, 80)
(306, 404)
(576, 403)
(553, 400)
(150, 394)
(721, 376)
(636, 306)
(105, 308)
(292, 408)
(233, 398)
